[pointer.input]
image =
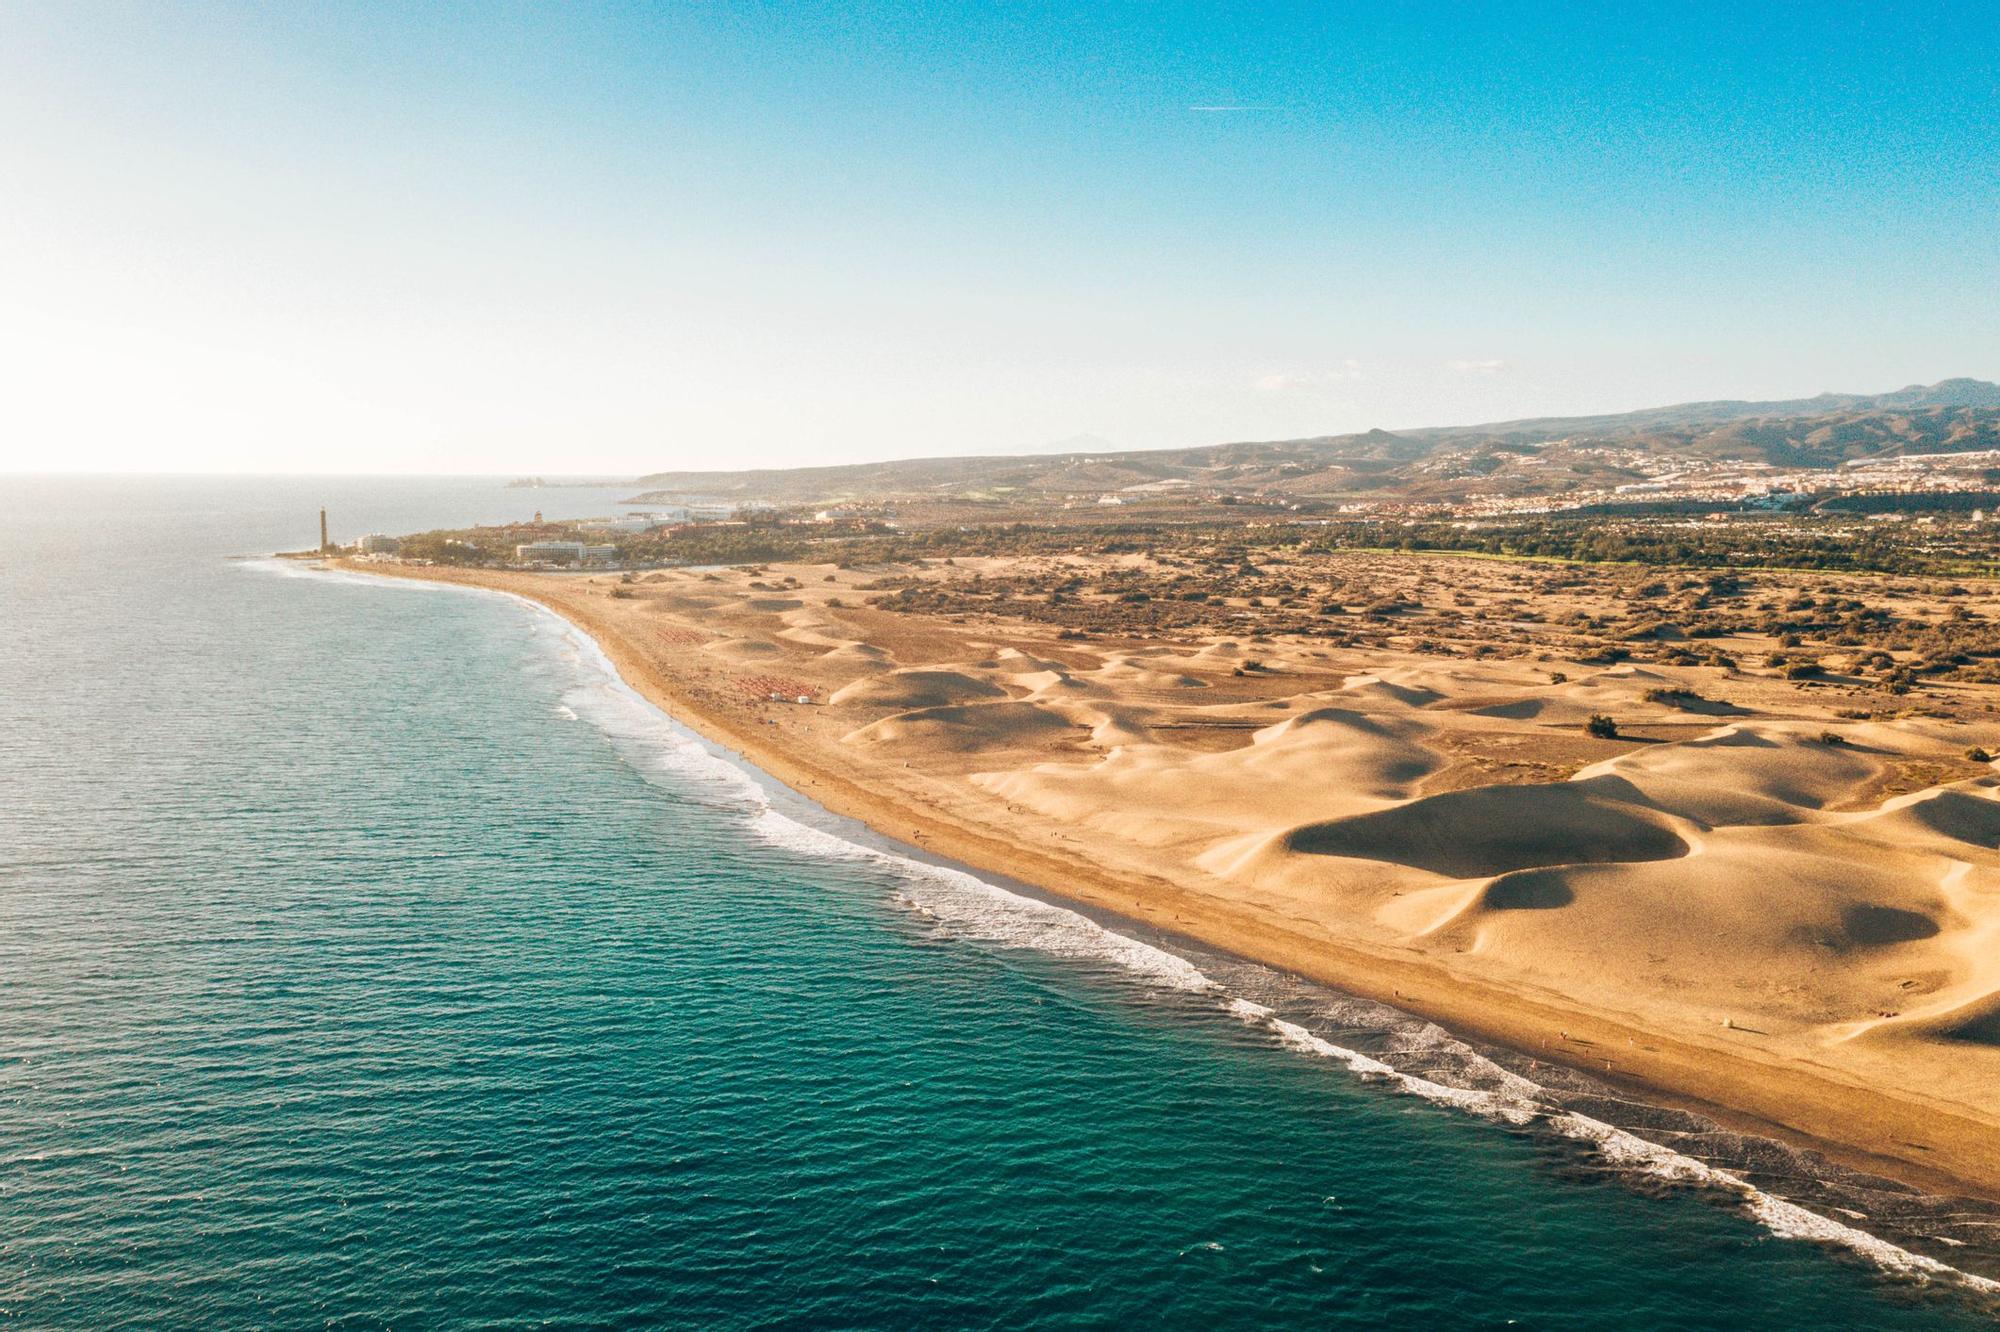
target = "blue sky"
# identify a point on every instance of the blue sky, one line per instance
(582, 238)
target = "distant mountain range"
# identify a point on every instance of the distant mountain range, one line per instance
(1441, 462)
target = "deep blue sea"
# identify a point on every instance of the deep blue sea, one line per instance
(370, 958)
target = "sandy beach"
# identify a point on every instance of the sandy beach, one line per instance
(1749, 900)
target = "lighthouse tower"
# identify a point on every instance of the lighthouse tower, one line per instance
(325, 546)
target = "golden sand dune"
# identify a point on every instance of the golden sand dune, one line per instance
(1158, 794)
(1770, 903)
(991, 726)
(676, 603)
(1115, 728)
(1060, 685)
(851, 655)
(906, 689)
(1945, 819)
(1975, 1023)
(813, 633)
(1762, 927)
(1394, 693)
(743, 649)
(1492, 830)
(1743, 774)
(1138, 673)
(1559, 711)
(1013, 661)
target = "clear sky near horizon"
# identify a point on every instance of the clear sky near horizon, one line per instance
(612, 238)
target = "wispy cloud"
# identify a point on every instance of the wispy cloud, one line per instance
(1492, 367)
(1298, 381)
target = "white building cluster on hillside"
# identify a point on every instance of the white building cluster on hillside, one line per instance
(562, 552)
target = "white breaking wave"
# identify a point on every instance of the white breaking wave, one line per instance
(970, 908)
(1512, 1109)
(307, 569)
(975, 909)
(1784, 1219)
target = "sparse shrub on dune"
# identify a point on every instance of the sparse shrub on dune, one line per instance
(1679, 698)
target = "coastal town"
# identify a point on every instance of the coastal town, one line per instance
(1897, 515)
(582, 543)
(1879, 485)
(1897, 483)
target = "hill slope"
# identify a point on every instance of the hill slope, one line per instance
(1953, 415)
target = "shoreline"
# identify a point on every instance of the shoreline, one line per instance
(1799, 1106)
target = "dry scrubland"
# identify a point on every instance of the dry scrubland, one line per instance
(1776, 888)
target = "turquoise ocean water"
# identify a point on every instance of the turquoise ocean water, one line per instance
(370, 958)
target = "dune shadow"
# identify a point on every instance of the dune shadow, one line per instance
(1878, 925)
(1981, 1030)
(1961, 817)
(1491, 830)
(1529, 892)
(1521, 709)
